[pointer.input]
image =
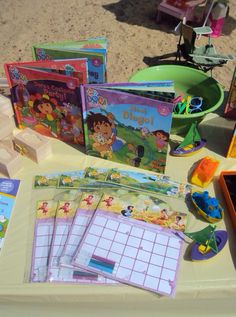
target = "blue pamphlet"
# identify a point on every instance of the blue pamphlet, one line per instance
(8, 192)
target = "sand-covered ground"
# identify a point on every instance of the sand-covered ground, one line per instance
(129, 25)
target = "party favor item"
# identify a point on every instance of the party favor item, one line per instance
(204, 171)
(191, 144)
(10, 161)
(208, 242)
(33, 145)
(208, 207)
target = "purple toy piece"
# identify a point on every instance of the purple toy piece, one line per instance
(221, 239)
(183, 151)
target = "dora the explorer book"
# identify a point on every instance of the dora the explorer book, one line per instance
(127, 128)
(94, 49)
(46, 97)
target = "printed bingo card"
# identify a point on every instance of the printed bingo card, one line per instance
(64, 217)
(43, 233)
(130, 251)
(84, 213)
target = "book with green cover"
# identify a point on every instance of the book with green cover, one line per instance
(94, 49)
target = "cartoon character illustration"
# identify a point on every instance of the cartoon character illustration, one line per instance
(2, 218)
(173, 191)
(44, 207)
(65, 208)
(88, 200)
(128, 211)
(178, 224)
(108, 201)
(92, 173)
(69, 69)
(104, 133)
(144, 132)
(22, 95)
(162, 219)
(139, 153)
(158, 165)
(65, 127)
(41, 54)
(77, 131)
(115, 177)
(99, 139)
(48, 110)
(42, 181)
(162, 139)
(67, 181)
(163, 214)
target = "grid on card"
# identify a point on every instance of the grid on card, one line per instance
(41, 249)
(77, 230)
(60, 236)
(128, 251)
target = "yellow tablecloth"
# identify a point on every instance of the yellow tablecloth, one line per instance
(206, 288)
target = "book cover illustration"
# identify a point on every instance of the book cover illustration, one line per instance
(232, 147)
(8, 193)
(144, 207)
(230, 108)
(46, 101)
(93, 49)
(126, 128)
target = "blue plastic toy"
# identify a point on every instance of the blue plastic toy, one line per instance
(208, 207)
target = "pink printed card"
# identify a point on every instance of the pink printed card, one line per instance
(67, 272)
(64, 217)
(43, 233)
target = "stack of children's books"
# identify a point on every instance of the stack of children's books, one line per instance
(45, 93)
(63, 94)
(107, 230)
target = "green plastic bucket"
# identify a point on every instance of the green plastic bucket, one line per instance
(188, 82)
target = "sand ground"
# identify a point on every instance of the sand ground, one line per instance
(129, 25)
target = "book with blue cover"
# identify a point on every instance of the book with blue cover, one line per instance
(8, 193)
